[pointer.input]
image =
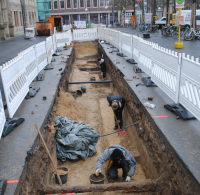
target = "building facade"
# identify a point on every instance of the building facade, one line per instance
(92, 11)
(15, 16)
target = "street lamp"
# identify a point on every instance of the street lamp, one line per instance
(86, 9)
(106, 13)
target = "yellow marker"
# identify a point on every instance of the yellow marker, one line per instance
(179, 44)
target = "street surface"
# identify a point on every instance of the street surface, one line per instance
(189, 47)
(11, 47)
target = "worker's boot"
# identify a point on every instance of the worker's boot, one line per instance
(116, 127)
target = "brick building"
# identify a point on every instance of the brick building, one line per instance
(94, 11)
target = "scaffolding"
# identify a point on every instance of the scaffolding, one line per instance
(43, 9)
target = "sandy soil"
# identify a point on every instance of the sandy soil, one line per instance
(92, 107)
(86, 49)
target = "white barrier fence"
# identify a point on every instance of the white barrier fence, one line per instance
(67, 27)
(62, 38)
(15, 83)
(189, 94)
(41, 55)
(177, 77)
(30, 63)
(85, 34)
(2, 116)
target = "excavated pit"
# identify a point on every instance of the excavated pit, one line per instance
(144, 141)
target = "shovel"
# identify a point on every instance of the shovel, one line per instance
(55, 169)
(119, 126)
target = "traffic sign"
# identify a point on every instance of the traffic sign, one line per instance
(180, 3)
(138, 0)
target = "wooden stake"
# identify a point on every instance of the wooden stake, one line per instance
(55, 169)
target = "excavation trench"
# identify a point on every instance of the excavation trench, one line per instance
(157, 172)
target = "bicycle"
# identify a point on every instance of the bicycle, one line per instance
(167, 31)
(182, 32)
(191, 33)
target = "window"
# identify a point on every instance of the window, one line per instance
(55, 4)
(81, 3)
(101, 3)
(21, 18)
(62, 6)
(16, 18)
(30, 18)
(33, 18)
(75, 4)
(163, 19)
(68, 4)
(88, 3)
(94, 3)
(49, 4)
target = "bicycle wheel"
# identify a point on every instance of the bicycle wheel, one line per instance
(175, 34)
(163, 32)
(189, 35)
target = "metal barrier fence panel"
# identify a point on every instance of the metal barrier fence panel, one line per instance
(115, 40)
(54, 43)
(62, 38)
(164, 70)
(41, 55)
(48, 49)
(66, 27)
(106, 35)
(13, 74)
(145, 56)
(51, 43)
(135, 43)
(101, 33)
(126, 44)
(2, 116)
(30, 63)
(85, 34)
(189, 95)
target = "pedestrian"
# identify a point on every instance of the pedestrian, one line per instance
(103, 68)
(124, 22)
(117, 102)
(116, 157)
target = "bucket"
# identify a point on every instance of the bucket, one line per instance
(97, 179)
(63, 172)
(83, 89)
(79, 93)
(92, 78)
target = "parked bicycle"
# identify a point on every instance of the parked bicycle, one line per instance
(144, 27)
(167, 30)
(191, 33)
(182, 32)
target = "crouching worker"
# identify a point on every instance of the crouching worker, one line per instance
(103, 68)
(116, 157)
(117, 102)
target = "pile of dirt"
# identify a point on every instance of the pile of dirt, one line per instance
(67, 106)
(86, 49)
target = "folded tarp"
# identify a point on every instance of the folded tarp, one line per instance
(74, 140)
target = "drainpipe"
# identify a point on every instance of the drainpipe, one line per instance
(23, 6)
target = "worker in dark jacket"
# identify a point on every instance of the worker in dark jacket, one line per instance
(117, 103)
(103, 68)
(116, 156)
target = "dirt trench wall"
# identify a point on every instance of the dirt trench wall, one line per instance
(168, 165)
